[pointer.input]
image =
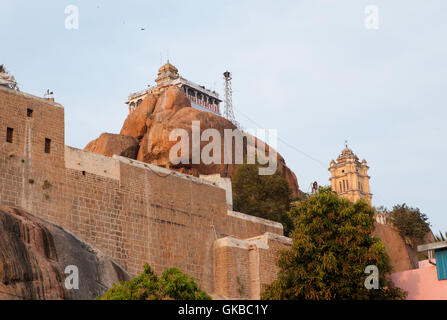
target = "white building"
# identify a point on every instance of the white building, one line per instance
(201, 98)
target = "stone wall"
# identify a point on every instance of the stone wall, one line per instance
(30, 178)
(243, 268)
(132, 211)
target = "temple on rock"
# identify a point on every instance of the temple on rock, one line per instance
(201, 98)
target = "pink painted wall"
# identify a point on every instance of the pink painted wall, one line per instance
(422, 283)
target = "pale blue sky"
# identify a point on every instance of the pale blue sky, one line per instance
(307, 68)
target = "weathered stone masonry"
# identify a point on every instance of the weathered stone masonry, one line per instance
(132, 211)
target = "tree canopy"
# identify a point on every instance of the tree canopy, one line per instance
(411, 222)
(172, 285)
(332, 246)
(264, 196)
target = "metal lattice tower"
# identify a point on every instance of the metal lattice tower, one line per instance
(229, 115)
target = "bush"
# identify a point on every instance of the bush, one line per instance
(411, 222)
(172, 285)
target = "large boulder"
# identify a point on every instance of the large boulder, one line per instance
(401, 250)
(34, 256)
(395, 247)
(158, 115)
(109, 144)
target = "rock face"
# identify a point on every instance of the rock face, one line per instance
(402, 252)
(157, 116)
(109, 144)
(33, 257)
(395, 247)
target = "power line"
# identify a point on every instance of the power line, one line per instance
(283, 141)
(299, 173)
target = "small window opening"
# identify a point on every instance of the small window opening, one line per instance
(47, 145)
(29, 113)
(9, 134)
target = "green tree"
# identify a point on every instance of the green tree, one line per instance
(172, 285)
(332, 246)
(264, 196)
(411, 222)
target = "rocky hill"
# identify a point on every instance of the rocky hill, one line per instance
(401, 250)
(145, 136)
(33, 257)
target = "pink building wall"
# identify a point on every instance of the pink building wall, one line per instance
(422, 283)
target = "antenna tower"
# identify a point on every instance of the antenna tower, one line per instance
(229, 115)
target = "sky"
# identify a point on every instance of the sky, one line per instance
(310, 69)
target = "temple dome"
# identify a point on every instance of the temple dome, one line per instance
(166, 74)
(347, 153)
(168, 67)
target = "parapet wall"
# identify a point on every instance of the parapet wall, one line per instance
(134, 212)
(92, 163)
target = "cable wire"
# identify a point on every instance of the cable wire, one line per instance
(283, 141)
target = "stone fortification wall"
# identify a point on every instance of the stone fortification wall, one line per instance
(134, 212)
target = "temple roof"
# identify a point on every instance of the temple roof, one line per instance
(166, 74)
(347, 153)
(168, 67)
